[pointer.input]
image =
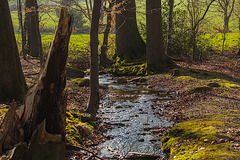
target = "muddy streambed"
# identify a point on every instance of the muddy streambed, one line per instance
(128, 109)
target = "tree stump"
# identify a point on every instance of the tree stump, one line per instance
(46, 99)
(41, 121)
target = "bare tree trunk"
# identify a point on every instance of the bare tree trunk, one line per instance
(129, 44)
(170, 19)
(157, 60)
(93, 103)
(227, 7)
(104, 61)
(23, 32)
(12, 81)
(90, 3)
(32, 28)
(226, 22)
(239, 24)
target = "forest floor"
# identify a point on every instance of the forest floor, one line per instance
(206, 109)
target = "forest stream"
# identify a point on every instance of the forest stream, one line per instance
(128, 109)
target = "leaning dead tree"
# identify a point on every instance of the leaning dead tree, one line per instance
(37, 128)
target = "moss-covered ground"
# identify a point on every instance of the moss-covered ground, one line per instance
(207, 109)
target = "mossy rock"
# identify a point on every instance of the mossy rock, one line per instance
(199, 89)
(81, 82)
(196, 139)
(214, 85)
(121, 80)
(121, 68)
(74, 73)
(138, 79)
(74, 125)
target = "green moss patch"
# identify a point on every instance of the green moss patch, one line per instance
(3, 111)
(73, 133)
(199, 139)
(81, 82)
(121, 68)
(199, 89)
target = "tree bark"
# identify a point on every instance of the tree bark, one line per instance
(170, 21)
(129, 44)
(104, 61)
(32, 28)
(226, 22)
(12, 81)
(46, 99)
(156, 57)
(93, 103)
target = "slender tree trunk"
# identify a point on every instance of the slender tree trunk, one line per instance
(104, 61)
(195, 55)
(23, 32)
(156, 58)
(90, 3)
(32, 28)
(170, 21)
(239, 24)
(12, 81)
(129, 44)
(93, 103)
(226, 22)
(88, 10)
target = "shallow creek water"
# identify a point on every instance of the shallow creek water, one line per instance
(128, 108)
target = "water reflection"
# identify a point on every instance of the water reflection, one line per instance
(128, 110)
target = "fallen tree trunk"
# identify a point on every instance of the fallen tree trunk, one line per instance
(40, 123)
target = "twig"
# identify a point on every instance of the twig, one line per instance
(70, 146)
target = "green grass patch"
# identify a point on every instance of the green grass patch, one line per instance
(215, 40)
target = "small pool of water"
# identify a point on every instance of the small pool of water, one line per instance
(128, 109)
